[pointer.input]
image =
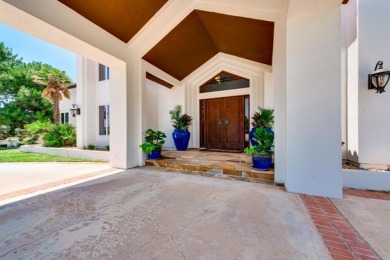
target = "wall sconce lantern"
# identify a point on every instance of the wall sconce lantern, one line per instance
(75, 110)
(379, 79)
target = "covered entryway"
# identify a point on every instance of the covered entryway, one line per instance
(224, 120)
(182, 41)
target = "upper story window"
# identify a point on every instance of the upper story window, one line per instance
(104, 72)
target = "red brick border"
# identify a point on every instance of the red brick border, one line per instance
(342, 240)
(367, 194)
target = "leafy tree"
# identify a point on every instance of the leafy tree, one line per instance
(25, 107)
(57, 83)
(10, 73)
(21, 100)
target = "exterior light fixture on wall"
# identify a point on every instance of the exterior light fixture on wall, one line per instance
(379, 78)
(75, 110)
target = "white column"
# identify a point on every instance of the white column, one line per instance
(126, 110)
(119, 118)
(313, 103)
(86, 96)
(279, 73)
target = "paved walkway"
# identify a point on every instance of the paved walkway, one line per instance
(146, 214)
(17, 179)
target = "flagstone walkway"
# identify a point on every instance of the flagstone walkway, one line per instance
(213, 163)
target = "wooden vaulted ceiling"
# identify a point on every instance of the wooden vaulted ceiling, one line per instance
(121, 18)
(201, 35)
(195, 40)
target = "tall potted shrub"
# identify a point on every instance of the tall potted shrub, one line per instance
(263, 118)
(154, 140)
(262, 151)
(181, 135)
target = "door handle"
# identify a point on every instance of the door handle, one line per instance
(226, 122)
(220, 122)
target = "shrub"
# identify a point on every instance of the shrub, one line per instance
(34, 131)
(68, 133)
(107, 147)
(5, 132)
(60, 135)
(90, 147)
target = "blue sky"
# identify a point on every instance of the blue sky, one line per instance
(33, 49)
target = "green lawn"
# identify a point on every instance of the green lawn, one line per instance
(15, 155)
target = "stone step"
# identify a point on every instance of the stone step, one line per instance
(213, 166)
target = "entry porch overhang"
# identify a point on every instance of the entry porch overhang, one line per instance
(305, 32)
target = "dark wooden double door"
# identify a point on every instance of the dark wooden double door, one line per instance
(224, 123)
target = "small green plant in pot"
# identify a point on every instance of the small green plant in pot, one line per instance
(154, 141)
(263, 118)
(262, 151)
(181, 135)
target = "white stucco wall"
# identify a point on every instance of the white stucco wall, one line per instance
(151, 105)
(366, 180)
(167, 100)
(374, 109)
(351, 44)
(269, 90)
(368, 141)
(67, 152)
(313, 104)
(159, 101)
(90, 94)
(66, 105)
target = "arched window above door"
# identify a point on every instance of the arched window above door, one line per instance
(224, 81)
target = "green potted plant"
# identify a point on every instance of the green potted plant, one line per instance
(262, 151)
(263, 118)
(180, 123)
(154, 141)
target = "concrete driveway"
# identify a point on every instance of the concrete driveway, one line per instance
(145, 214)
(22, 179)
(370, 217)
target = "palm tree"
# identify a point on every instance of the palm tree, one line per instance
(57, 83)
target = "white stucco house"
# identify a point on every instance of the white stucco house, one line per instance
(94, 95)
(309, 60)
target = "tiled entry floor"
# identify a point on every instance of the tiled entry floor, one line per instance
(219, 163)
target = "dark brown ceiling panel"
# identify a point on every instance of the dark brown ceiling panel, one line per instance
(184, 49)
(121, 18)
(201, 35)
(158, 80)
(243, 37)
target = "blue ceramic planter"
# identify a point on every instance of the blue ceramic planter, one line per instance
(262, 161)
(156, 154)
(181, 139)
(252, 135)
